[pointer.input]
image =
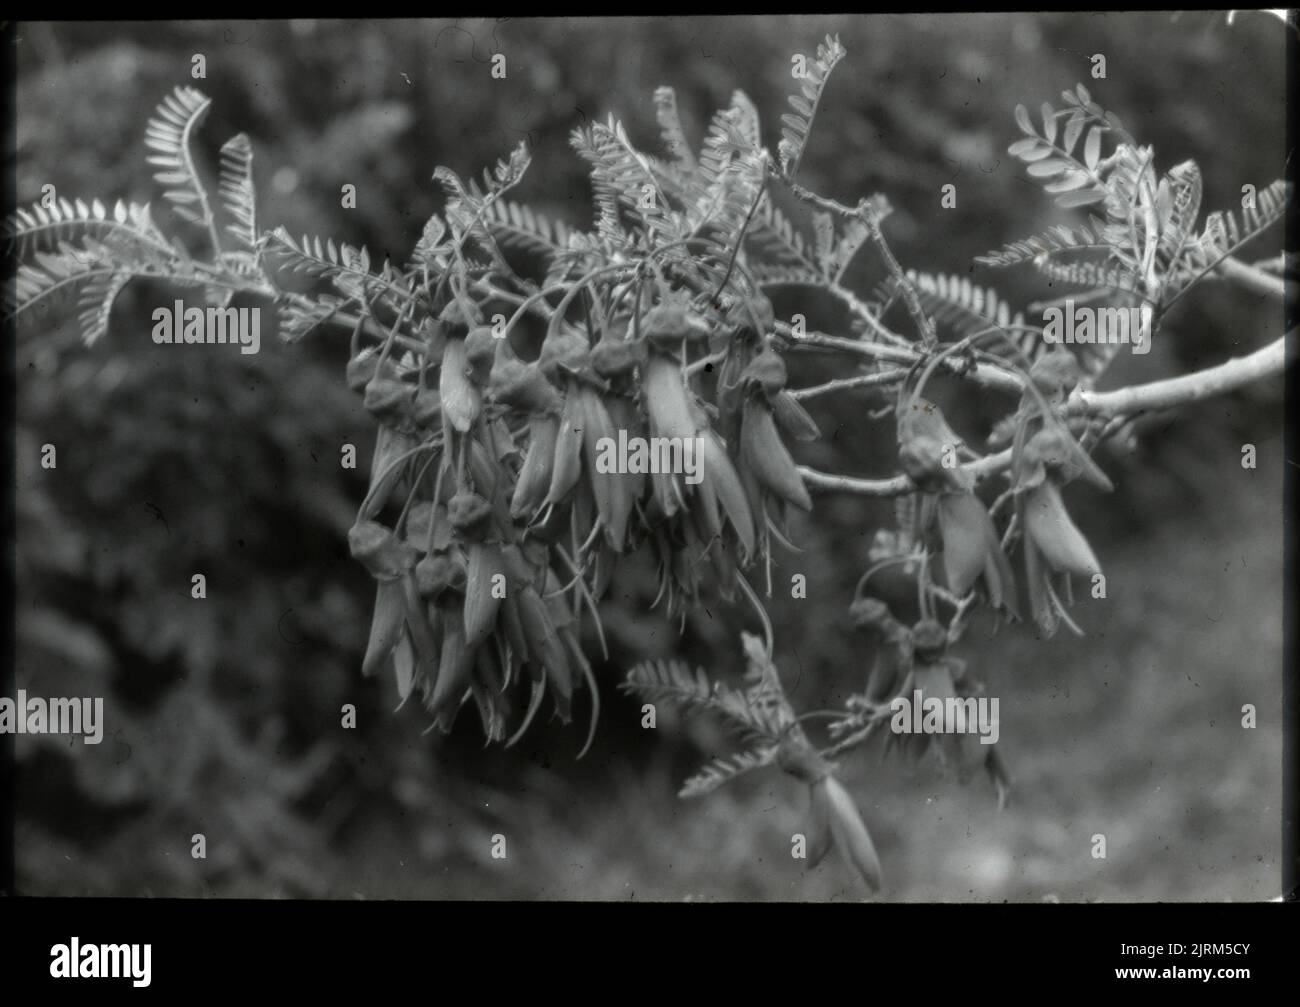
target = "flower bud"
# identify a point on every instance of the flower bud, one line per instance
(767, 371)
(468, 513)
(380, 551)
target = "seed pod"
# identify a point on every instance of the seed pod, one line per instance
(385, 626)
(380, 551)
(461, 399)
(1049, 527)
(481, 595)
(762, 452)
(535, 477)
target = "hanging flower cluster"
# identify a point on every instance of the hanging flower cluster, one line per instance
(503, 498)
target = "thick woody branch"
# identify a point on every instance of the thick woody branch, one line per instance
(1170, 392)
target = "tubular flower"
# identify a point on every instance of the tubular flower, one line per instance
(466, 608)
(928, 453)
(1053, 544)
(961, 733)
(762, 453)
(690, 515)
(517, 486)
(833, 817)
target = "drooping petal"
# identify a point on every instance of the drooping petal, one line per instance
(568, 451)
(385, 626)
(793, 418)
(612, 491)
(850, 834)
(545, 648)
(971, 549)
(482, 599)
(819, 823)
(763, 453)
(1049, 527)
(539, 461)
(454, 667)
(721, 480)
(961, 524)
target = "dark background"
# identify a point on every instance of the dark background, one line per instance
(223, 715)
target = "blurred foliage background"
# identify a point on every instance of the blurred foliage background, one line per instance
(224, 715)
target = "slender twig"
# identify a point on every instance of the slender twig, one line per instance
(1165, 394)
(842, 384)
